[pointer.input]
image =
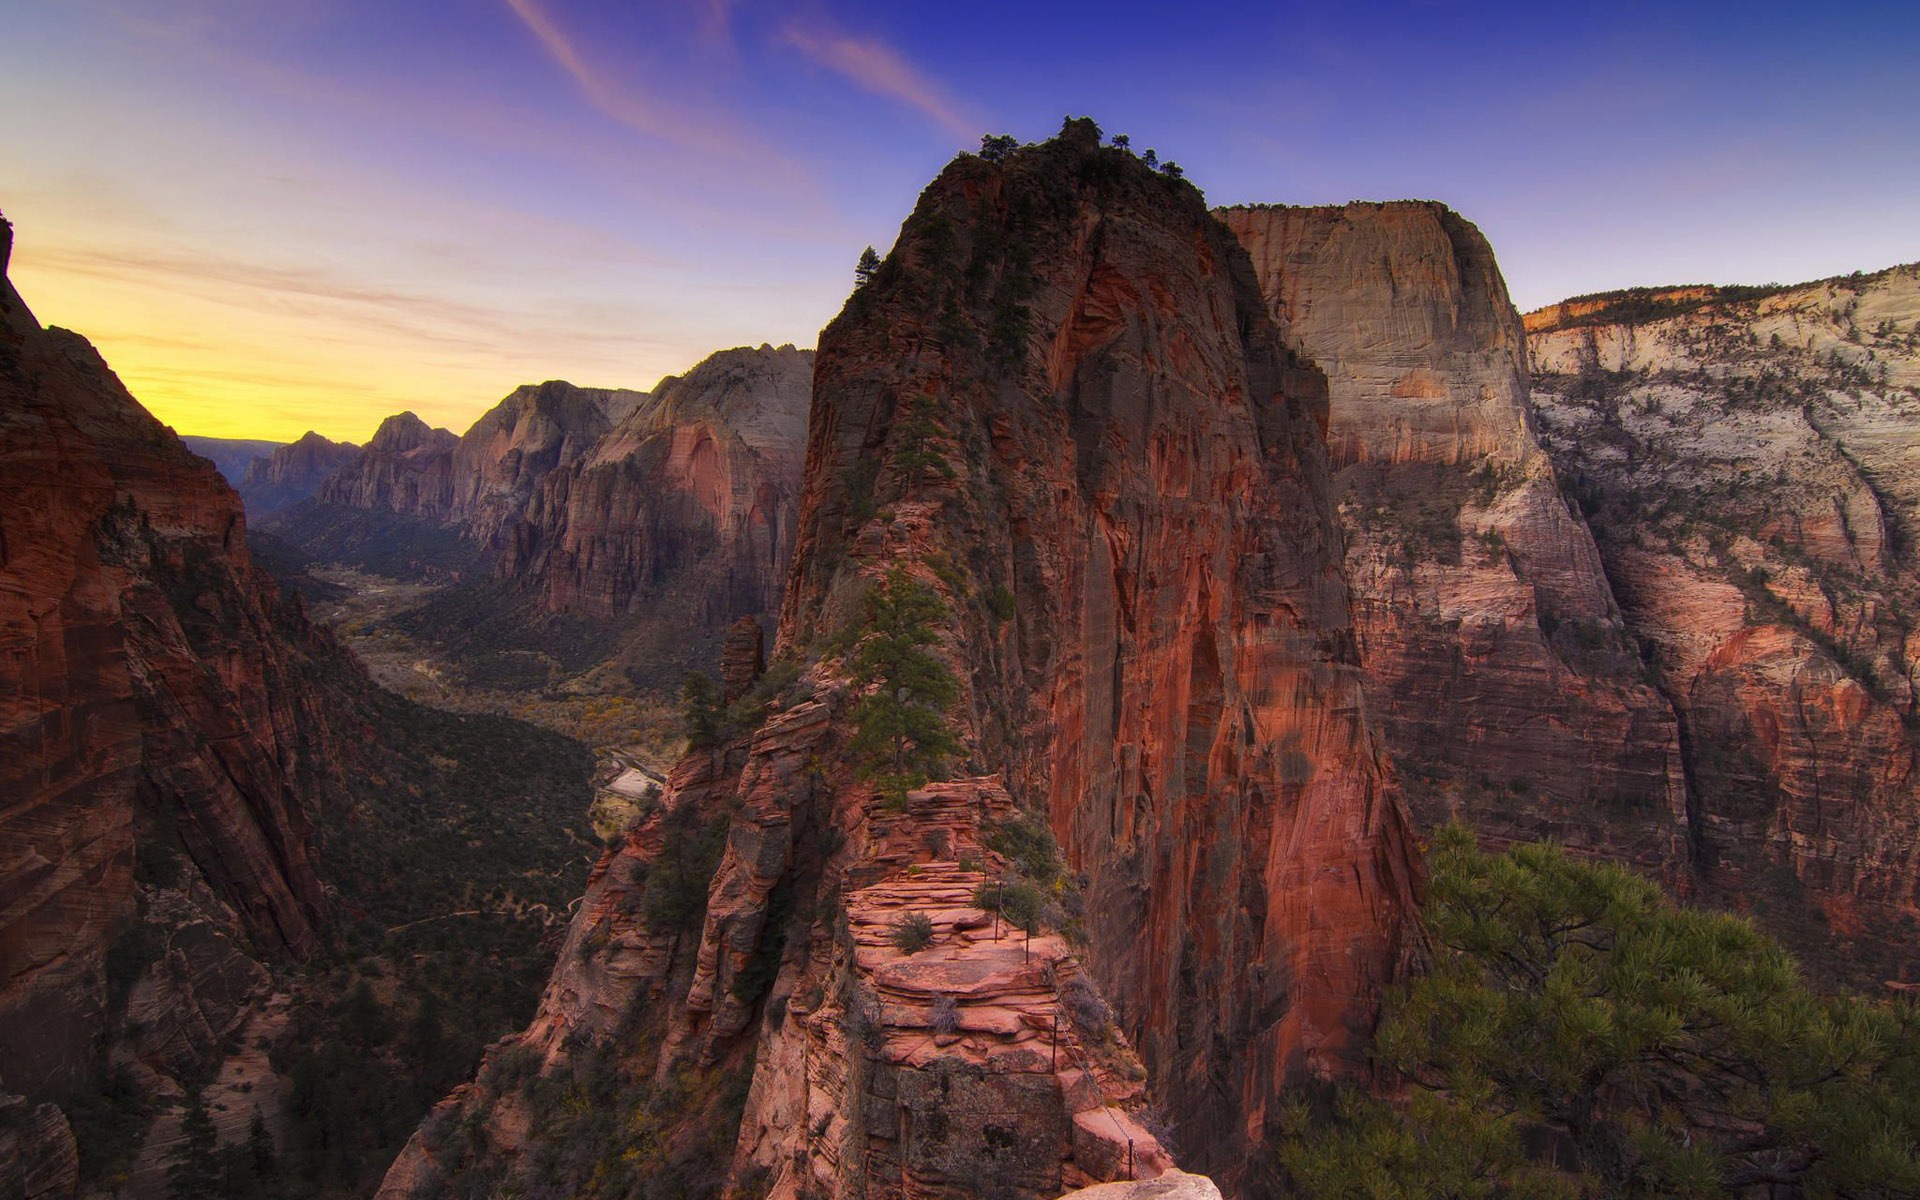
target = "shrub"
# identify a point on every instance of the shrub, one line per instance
(946, 1015)
(1556, 983)
(913, 932)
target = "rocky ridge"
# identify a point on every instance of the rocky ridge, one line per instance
(1062, 402)
(695, 491)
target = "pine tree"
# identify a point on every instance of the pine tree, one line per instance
(700, 702)
(194, 1170)
(900, 729)
(998, 147)
(916, 453)
(864, 270)
(1667, 1051)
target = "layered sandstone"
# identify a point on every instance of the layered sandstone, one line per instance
(157, 745)
(692, 496)
(1748, 465)
(1493, 646)
(293, 472)
(1063, 407)
(407, 468)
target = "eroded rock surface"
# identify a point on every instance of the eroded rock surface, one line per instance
(1750, 466)
(1062, 406)
(1494, 648)
(293, 472)
(159, 737)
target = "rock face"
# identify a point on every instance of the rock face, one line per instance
(407, 468)
(1749, 461)
(293, 472)
(692, 496)
(157, 743)
(1494, 649)
(1060, 405)
(38, 1158)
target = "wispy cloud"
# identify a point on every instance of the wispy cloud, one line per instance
(642, 114)
(876, 67)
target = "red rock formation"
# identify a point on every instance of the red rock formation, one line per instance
(38, 1158)
(293, 472)
(1116, 481)
(1748, 466)
(149, 695)
(1512, 694)
(407, 468)
(692, 496)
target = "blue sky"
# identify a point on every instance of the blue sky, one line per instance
(276, 215)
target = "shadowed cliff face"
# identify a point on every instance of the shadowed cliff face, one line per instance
(1061, 406)
(1512, 695)
(1140, 464)
(148, 701)
(691, 496)
(1747, 462)
(294, 472)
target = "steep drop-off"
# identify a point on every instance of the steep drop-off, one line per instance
(1062, 407)
(1748, 460)
(157, 746)
(1513, 696)
(687, 506)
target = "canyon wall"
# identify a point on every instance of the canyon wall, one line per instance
(293, 472)
(1062, 410)
(1511, 693)
(157, 742)
(1748, 462)
(690, 501)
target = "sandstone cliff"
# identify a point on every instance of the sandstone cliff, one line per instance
(293, 472)
(1062, 406)
(1747, 461)
(693, 496)
(1511, 693)
(407, 468)
(156, 748)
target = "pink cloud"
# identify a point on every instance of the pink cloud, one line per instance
(876, 67)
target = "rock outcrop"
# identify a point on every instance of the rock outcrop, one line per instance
(1062, 408)
(1749, 461)
(293, 472)
(157, 741)
(38, 1158)
(690, 501)
(1512, 694)
(407, 468)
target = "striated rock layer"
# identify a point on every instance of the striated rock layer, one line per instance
(1493, 646)
(156, 745)
(693, 495)
(1749, 461)
(1061, 405)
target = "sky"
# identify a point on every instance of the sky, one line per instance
(281, 215)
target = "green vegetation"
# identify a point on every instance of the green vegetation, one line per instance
(1578, 1035)
(916, 451)
(901, 738)
(456, 843)
(866, 268)
(912, 933)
